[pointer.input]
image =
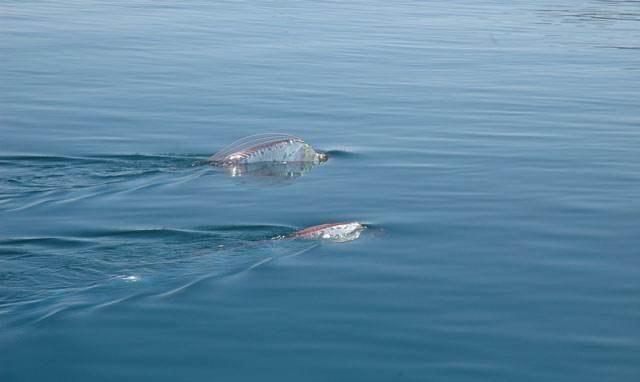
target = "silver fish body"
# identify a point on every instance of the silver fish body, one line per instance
(336, 232)
(267, 148)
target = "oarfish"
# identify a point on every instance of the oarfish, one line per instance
(267, 148)
(337, 232)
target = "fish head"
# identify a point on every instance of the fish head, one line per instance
(322, 157)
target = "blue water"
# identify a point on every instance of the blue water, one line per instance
(493, 147)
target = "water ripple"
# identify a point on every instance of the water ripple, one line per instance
(45, 276)
(28, 181)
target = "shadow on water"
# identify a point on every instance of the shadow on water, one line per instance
(41, 277)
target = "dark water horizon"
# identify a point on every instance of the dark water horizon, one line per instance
(492, 148)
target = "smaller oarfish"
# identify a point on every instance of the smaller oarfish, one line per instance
(337, 232)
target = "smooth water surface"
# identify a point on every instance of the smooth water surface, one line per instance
(493, 147)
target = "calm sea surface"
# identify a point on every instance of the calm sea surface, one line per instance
(493, 147)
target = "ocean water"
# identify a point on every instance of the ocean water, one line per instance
(493, 147)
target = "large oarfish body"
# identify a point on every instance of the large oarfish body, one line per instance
(267, 148)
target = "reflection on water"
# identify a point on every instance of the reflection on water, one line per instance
(270, 169)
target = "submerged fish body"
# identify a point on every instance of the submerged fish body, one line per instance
(336, 232)
(270, 170)
(267, 148)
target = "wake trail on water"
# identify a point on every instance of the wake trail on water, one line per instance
(42, 277)
(28, 181)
